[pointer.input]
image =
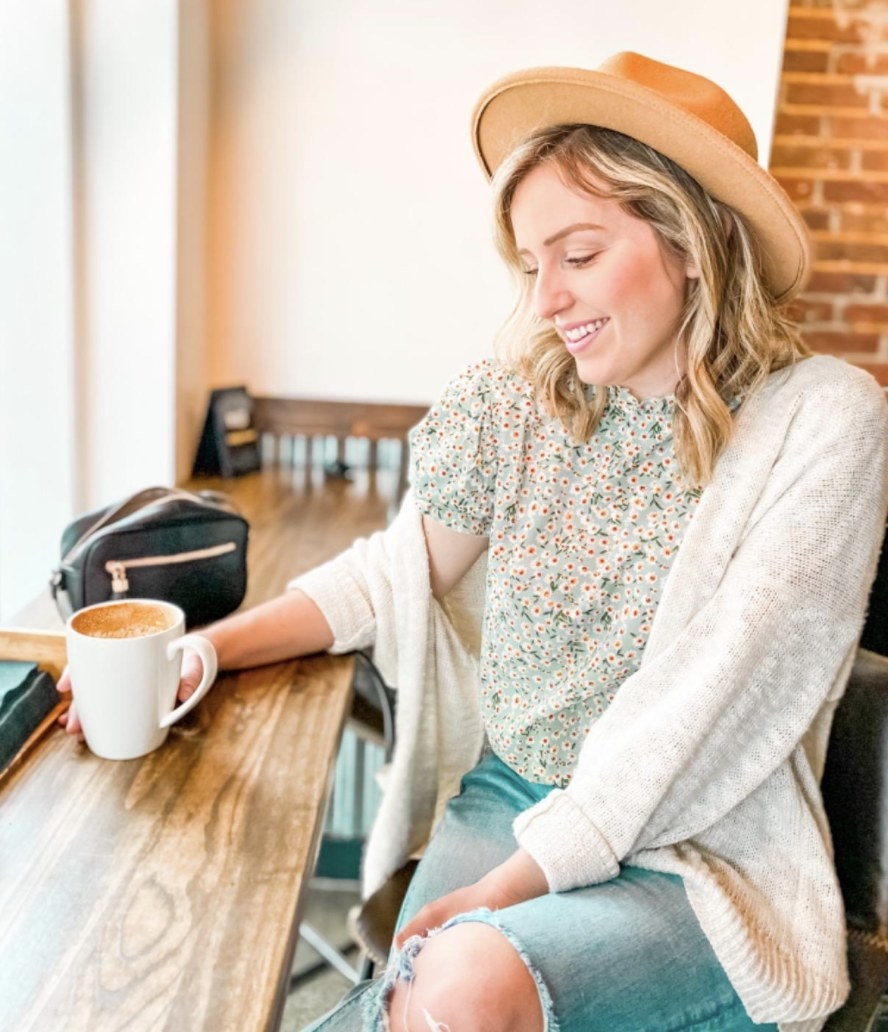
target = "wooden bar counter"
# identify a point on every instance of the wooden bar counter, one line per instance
(164, 892)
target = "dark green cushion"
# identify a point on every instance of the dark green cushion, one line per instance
(866, 1009)
(26, 696)
(855, 792)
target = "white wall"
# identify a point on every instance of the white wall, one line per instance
(191, 290)
(126, 182)
(89, 227)
(36, 295)
(349, 227)
(197, 193)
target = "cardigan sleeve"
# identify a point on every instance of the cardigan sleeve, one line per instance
(704, 722)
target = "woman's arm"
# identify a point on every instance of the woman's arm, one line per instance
(282, 628)
(292, 624)
(697, 729)
(723, 703)
(285, 627)
(451, 553)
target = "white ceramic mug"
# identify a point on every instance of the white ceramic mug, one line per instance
(124, 659)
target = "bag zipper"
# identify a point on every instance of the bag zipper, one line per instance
(117, 567)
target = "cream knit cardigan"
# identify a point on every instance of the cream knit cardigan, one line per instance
(707, 763)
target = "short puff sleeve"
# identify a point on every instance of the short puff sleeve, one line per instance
(454, 452)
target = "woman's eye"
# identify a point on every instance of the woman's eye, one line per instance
(579, 261)
(529, 272)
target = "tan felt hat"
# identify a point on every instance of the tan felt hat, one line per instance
(682, 115)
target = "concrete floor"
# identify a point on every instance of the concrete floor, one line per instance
(326, 908)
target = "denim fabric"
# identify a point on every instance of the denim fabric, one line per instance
(624, 956)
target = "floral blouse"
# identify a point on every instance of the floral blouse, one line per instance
(581, 540)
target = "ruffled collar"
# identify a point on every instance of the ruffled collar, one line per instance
(622, 400)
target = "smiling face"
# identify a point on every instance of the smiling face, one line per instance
(604, 281)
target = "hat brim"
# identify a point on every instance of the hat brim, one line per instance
(519, 104)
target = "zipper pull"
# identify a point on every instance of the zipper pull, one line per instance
(119, 582)
(56, 581)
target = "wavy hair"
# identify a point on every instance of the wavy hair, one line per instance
(733, 331)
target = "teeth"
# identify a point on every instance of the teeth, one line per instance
(578, 332)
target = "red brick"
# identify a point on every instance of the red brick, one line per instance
(798, 187)
(816, 219)
(840, 341)
(827, 94)
(802, 25)
(830, 4)
(861, 62)
(836, 249)
(877, 369)
(797, 125)
(804, 311)
(805, 61)
(861, 190)
(875, 160)
(831, 70)
(815, 156)
(872, 315)
(839, 283)
(871, 220)
(840, 128)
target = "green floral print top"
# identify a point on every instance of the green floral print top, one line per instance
(581, 540)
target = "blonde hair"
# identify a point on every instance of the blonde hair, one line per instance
(733, 330)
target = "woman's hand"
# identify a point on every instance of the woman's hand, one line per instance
(69, 719)
(518, 879)
(192, 671)
(286, 626)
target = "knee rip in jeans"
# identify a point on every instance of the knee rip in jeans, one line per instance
(400, 966)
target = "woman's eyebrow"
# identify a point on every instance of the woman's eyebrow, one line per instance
(562, 233)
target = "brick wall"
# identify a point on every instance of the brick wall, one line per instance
(830, 153)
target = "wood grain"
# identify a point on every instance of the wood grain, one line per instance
(47, 648)
(164, 893)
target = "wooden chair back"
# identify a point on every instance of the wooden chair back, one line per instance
(293, 430)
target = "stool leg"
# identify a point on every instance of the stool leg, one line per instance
(331, 955)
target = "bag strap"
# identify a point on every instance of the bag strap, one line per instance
(142, 499)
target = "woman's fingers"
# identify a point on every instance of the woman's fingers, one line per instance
(192, 671)
(69, 720)
(517, 879)
(439, 911)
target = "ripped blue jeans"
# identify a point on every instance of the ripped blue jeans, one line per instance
(624, 956)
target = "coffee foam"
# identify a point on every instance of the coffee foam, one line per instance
(123, 620)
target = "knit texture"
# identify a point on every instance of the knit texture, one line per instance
(707, 763)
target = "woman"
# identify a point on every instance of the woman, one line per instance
(676, 514)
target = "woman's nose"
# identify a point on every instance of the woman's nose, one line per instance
(551, 295)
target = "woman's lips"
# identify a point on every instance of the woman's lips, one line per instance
(577, 338)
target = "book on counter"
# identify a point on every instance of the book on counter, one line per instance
(29, 703)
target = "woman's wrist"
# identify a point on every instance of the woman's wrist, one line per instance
(522, 874)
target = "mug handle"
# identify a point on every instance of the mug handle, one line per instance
(204, 648)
